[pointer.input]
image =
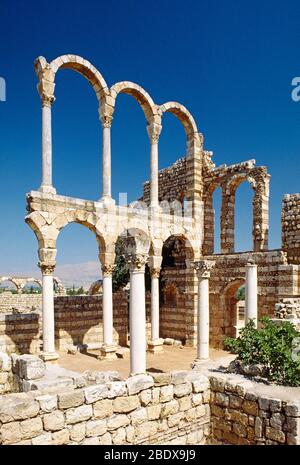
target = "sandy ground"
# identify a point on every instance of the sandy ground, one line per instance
(173, 358)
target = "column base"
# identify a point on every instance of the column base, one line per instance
(199, 362)
(49, 357)
(107, 201)
(47, 189)
(108, 353)
(155, 346)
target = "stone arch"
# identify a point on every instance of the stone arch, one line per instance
(9, 279)
(76, 63)
(95, 287)
(183, 115)
(140, 95)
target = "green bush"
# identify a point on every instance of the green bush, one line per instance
(271, 346)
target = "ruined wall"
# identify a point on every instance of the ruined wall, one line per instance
(168, 408)
(19, 302)
(276, 280)
(291, 227)
(172, 182)
(248, 413)
(20, 333)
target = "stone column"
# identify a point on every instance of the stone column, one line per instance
(251, 293)
(108, 350)
(49, 352)
(106, 158)
(203, 269)
(46, 185)
(156, 344)
(137, 313)
(154, 132)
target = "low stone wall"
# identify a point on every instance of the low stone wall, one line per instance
(248, 413)
(169, 408)
(6, 374)
(22, 303)
(290, 227)
(19, 333)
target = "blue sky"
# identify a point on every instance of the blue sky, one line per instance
(230, 63)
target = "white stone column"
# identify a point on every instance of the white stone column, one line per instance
(106, 158)
(203, 268)
(137, 314)
(156, 344)
(46, 185)
(108, 350)
(251, 293)
(154, 132)
(48, 313)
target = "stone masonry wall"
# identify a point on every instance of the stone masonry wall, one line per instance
(19, 333)
(169, 408)
(247, 413)
(291, 227)
(19, 302)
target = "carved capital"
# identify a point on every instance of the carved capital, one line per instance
(137, 262)
(47, 100)
(203, 268)
(154, 133)
(106, 121)
(47, 268)
(107, 270)
(155, 272)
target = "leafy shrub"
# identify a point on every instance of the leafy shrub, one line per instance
(271, 346)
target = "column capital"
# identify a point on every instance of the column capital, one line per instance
(203, 268)
(154, 131)
(47, 268)
(106, 121)
(155, 272)
(137, 262)
(47, 100)
(250, 263)
(107, 270)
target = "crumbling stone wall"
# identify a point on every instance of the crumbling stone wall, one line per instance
(276, 280)
(166, 408)
(248, 413)
(20, 333)
(291, 227)
(21, 303)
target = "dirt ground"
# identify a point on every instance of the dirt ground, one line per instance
(173, 358)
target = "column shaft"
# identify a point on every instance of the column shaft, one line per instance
(46, 148)
(154, 173)
(106, 162)
(203, 319)
(107, 311)
(137, 311)
(48, 315)
(154, 308)
(251, 294)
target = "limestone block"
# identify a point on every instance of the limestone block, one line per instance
(90, 442)
(117, 388)
(275, 435)
(60, 438)
(103, 408)
(70, 399)
(185, 403)
(181, 390)
(221, 399)
(154, 412)
(146, 429)
(200, 385)
(105, 440)
(119, 437)
(178, 376)
(30, 367)
(17, 407)
(275, 405)
(79, 414)
(54, 421)
(130, 434)
(166, 393)
(250, 407)
(155, 395)
(44, 439)
(31, 428)
(145, 397)
(161, 379)
(138, 383)
(126, 404)
(196, 399)
(11, 432)
(174, 420)
(47, 402)
(95, 427)
(169, 408)
(77, 432)
(5, 362)
(292, 409)
(94, 393)
(117, 421)
(139, 416)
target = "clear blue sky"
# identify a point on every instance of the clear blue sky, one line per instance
(230, 63)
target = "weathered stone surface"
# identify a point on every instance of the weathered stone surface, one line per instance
(116, 389)
(31, 427)
(145, 397)
(47, 402)
(146, 429)
(54, 421)
(44, 439)
(250, 407)
(139, 416)
(17, 407)
(181, 390)
(126, 404)
(166, 393)
(138, 383)
(5, 362)
(161, 379)
(292, 409)
(77, 432)
(94, 393)
(11, 432)
(61, 437)
(70, 399)
(153, 412)
(79, 414)
(95, 428)
(30, 367)
(105, 440)
(169, 408)
(119, 436)
(275, 435)
(178, 376)
(103, 408)
(185, 403)
(117, 421)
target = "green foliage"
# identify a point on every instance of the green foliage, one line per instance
(121, 272)
(240, 295)
(73, 291)
(271, 346)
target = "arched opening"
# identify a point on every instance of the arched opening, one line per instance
(32, 286)
(77, 136)
(6, 285)
(130, 149)
(234, 296)
(243, 218)
(172, 142)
